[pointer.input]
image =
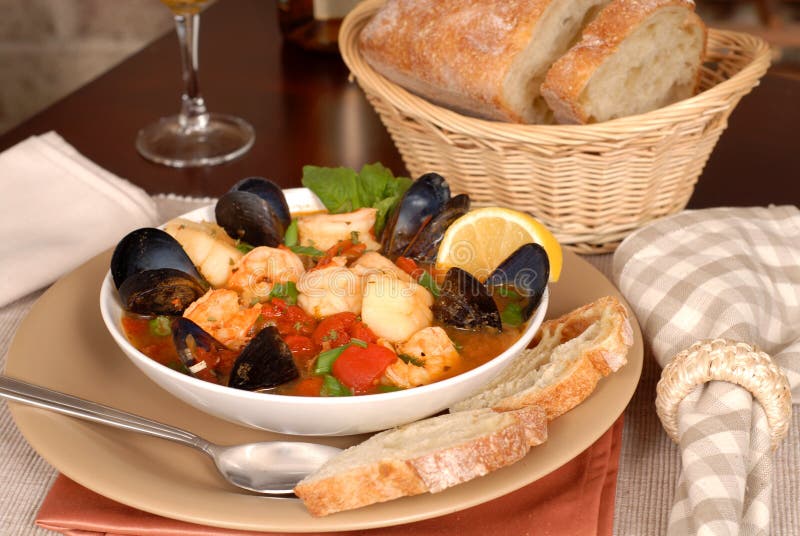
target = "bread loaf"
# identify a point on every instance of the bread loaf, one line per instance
(425, 456)
(562, 370)
(485, 58)
(635, 56)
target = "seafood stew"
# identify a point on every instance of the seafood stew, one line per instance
(319, 304)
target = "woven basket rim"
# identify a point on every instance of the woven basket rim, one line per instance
(423, 109)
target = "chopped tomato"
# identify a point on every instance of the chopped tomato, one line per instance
(359, 330)
(333, 331)
(309, 386)
(303, 349)
(289, 319)
(360, 368)
(409, 266)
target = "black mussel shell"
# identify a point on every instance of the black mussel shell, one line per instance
(269, 192)
(246, 216)
(265, 362)
(426, 245)
(465, 302)
(188, 337)
(422, 201)
(527, 271)
(164, 291)
(149, 249)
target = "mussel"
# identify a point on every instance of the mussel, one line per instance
(422, 201)
(254, 210)
(194, 346)
(465, 302)
(265, 362)
(425, 245)
(154, 275)
(526, 272)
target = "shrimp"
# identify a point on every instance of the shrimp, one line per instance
(222, 316)
(374, 262)
(329, 290)
(427, 356)
(395, 309)
(256, 272)
(323, 231)
(210, 248)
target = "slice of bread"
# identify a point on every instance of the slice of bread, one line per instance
(425, 456)
(573, 353)
(635, 56)
(485, 58)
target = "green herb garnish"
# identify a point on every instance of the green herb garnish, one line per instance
(358, 342)
(308, 251)
(427, 281)
(324, 363)
(332, 387)
(512, 314)
(244, 247)
(286, 291)
(290, 237)
(411, 360)
(160, 326)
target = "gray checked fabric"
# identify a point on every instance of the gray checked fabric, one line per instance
(732, 273)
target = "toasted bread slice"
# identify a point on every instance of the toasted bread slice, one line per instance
(425, 456)
(573, 353)
(633, 57)
(486, 58)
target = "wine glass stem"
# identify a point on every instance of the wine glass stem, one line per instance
(194, 115)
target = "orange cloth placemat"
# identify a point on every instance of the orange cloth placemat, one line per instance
(576, 499)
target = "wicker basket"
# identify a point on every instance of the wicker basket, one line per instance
(590, 184)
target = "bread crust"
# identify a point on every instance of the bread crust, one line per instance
(569, 75)
(454, 52)
(391, 477)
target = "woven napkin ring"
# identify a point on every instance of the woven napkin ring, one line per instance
(731, 361)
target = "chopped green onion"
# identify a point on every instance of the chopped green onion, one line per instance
(427, 281)
(512, 314)
(160, 326)
(290, 237)
(244, 247)
(354, 237)
(308, 251)
(358, 342)
(457, 346)
(411, 360)
(389, 388)
(286, 291)
(332, 387)
(324, 364)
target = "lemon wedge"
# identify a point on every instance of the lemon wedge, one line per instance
(483, 238)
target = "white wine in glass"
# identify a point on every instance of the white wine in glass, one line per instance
(194, 137)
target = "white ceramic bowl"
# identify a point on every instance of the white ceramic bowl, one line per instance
(310, 415)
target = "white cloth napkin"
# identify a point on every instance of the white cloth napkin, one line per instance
(58, 209)
(731, 273)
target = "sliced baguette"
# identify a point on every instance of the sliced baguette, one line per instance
(485, 58)
(425, 456)
(562, 370)
(635, 56)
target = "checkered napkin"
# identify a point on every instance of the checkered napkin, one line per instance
(732, 274)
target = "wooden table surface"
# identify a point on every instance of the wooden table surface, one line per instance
(305, 111)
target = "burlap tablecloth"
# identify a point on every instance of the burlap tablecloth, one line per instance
(648, 472)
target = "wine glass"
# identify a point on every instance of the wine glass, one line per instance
(194, 137)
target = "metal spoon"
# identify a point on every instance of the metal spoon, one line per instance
(272, 467)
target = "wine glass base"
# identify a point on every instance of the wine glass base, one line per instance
(169, 143)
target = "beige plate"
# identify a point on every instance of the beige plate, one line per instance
(62, 344)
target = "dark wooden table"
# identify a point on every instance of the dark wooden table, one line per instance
(305, 111)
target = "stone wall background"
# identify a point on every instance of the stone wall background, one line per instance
(48, 48)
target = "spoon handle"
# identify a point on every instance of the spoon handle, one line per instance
(41, 397)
